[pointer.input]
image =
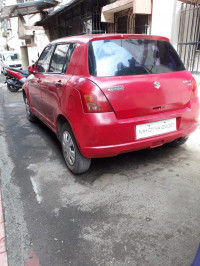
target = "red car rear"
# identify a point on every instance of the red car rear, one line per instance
(108, 94)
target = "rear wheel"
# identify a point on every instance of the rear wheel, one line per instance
(177, 142)
(12, 88)
(29, 113)
(75, 161)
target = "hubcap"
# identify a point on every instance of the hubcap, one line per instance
(68, 148)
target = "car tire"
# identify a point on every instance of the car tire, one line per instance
(177, 142)
(75, 161)
(29, 113)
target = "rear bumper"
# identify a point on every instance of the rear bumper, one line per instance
(153, 142)
(102, 135)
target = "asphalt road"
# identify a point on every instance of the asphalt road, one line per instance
(140, 208)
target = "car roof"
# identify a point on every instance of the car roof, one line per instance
(98, 37)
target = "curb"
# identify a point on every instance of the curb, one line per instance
(3, 252)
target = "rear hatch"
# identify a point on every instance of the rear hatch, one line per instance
(139, 77)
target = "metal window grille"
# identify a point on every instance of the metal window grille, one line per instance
(79, 20)
(189, 35)
(127, 22)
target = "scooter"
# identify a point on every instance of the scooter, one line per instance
(15, 78)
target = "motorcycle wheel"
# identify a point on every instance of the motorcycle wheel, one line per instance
(12, 88)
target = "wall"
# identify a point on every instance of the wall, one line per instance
(41, 39)
(2, 40)
(166, 22)
(12, 39)
(35, 38)
(165, 19)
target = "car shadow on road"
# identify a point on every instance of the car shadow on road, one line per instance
(132, 164)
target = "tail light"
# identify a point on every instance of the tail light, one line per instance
(194, 93)
(94, 101)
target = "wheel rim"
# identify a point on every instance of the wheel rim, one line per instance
(27, 107)
(68, 148)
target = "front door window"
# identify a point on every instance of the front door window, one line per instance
(44, 60)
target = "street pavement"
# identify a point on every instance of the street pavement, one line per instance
(140, 208)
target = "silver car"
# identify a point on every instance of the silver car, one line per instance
(10, 59)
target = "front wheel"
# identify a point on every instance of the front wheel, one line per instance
(177, 142)
(75, 161)
(12, 88)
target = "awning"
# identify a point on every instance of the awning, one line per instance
(107, 12)
(139, 7)
(118, 6)
(26, 8)
(57, 10)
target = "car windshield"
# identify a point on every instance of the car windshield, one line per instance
(132, 57)
(11, 57)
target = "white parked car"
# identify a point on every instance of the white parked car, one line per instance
(10, 59)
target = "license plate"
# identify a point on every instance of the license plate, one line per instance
(155, 128)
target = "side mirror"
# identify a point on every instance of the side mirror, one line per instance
(31, 69)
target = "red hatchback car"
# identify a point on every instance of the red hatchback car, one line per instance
(104, 95)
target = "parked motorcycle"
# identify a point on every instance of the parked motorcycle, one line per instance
(15, 78)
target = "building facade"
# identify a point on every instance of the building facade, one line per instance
(179, 20)
(75, 18)
(127, 16)
(17, 25)
(188, 45)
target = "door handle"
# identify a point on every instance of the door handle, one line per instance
(58, 84)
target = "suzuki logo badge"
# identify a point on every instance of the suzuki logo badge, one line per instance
(157, 85)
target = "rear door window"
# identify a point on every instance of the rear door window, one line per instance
(69, 55)
(132, 57)
(61, 58)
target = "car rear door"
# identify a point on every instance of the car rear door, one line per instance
(54, 82)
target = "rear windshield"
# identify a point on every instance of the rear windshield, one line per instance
(132, 57)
